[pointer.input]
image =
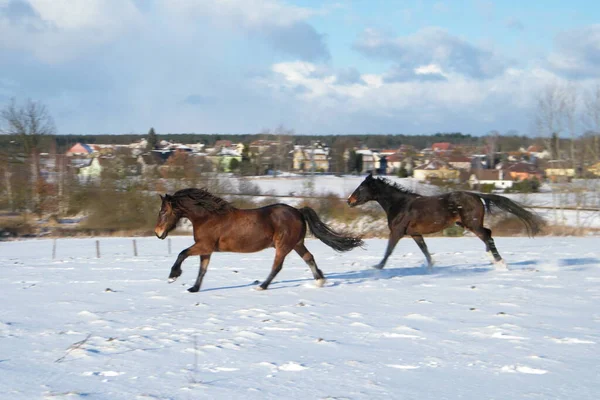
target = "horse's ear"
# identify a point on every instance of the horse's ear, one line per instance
(167, 196)
(161, 197)
(370, 176)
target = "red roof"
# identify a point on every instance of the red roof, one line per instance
(393, 158)
(535, 149)
(442, 146)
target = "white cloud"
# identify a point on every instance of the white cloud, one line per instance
(58, 30)
(281, 25)
(458, 103)
(432, 46)
(577, 53)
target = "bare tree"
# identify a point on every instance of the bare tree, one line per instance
(30, 122)
(570, 108)
(285, 138)
(492, 143)
(591, 120)
(549, 116)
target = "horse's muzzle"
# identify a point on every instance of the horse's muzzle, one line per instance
(160, 234)
(351, 201)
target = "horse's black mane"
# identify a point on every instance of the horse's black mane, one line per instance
(191, 198)
(395, 185)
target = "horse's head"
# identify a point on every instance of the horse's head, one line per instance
(167, 217)
(363, 193)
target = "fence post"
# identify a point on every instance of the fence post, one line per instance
(97, 249)
(134, 248)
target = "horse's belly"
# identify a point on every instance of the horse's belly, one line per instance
(243, 244)
(430, 225)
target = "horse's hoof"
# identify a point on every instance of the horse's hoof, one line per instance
(500, 265)
(171, 280)
(193, 289)
(260, 288)
(378, 266)
(320, 282)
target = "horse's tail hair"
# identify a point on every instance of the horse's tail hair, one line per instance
(339, 241)
(533, 222)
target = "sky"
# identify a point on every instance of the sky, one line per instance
(316, 67)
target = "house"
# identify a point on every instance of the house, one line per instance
(442, 147)
(522, 171)
(81, 149)
(459, 162)
(494, 177)
(559, 170)
(91, 169)
(535, 151)
(314, 158)
(407, 149)
(221, 158)
(368, 160)
(435, 169)
(394, 163)
(594, 169)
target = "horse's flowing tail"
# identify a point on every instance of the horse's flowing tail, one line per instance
(533, 222)
(335, 240)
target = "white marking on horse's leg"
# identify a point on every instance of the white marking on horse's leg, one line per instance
(500, 265)
(171, 280)
(320, 282)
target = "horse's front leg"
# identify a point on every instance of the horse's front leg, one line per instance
(395, 236)
(204, 260)
(176, 268)
(397, 230)
(194, 250)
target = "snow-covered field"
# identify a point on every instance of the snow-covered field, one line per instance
(112, 328)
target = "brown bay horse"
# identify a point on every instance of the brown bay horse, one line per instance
(409, 213)
(220, 227)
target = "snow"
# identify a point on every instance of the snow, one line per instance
(112, 328)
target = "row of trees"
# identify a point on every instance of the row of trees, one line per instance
(568, 110)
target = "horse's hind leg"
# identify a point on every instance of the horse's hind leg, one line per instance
(486, 236)
(423, 246)
(204, 260)
(310, 261)
(280, 255)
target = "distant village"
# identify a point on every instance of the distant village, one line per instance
(474, 166)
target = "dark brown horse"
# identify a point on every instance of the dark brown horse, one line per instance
(219, 226)
(411, 214)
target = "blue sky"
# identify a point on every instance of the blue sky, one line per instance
(329, 67)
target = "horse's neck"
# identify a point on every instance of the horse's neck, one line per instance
(392, 197)
(201, 214)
